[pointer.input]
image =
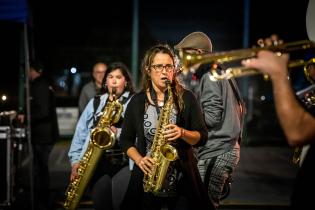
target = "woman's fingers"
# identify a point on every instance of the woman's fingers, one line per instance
(172, 132)
(146, 164)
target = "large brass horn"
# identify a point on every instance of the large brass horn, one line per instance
(188, 61)
(218, 74)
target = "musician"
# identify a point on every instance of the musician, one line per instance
(44, 130)
(182, 187)
(297, 124)
(117, 76)
(195, 43)
(223, 111)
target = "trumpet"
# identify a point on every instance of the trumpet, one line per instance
(190, 61)
(219, 74)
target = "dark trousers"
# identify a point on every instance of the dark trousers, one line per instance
(109, 183)
(42, 197)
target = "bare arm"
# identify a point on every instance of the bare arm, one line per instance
(298, 125)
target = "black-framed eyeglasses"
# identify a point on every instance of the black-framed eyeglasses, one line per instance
(160, 67)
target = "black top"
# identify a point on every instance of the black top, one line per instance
(301, 197)
(190, 119)
(44, 125)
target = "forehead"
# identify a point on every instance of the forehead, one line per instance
(115, 72)
(99, 67)
(162, 58)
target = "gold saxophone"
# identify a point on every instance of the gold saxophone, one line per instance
(102, 138)
(161, 152)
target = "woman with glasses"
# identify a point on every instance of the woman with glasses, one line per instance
(182, 187)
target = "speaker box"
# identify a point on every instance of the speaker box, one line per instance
(6, 167)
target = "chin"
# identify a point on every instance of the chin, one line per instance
(162, 84)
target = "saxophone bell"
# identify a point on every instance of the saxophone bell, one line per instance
(101, 138)
(167, 155)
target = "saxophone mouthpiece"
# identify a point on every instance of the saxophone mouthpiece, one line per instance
(167, 81)
(114, 93)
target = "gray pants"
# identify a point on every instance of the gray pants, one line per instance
(215, 171)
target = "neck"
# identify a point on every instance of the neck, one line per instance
(159, 92)
(98, 85)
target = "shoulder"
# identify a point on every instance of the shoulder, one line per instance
(188, 95)
(208, 85)
(138, 96)
(41, 84)
(88, 85)
(41, 80)
(137, 100)
(101, 98)
(206, 80)
(126, 96)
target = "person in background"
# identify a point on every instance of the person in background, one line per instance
(223, 112)
(93, 87)
(182, 188)
(44, 132)
(191, 78)
(297, 124)
(117, 76)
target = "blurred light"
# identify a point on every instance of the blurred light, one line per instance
(62, 84)
(262, 98)
(4, 98)
(73, 70)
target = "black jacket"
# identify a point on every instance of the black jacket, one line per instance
(301, 198)
(44, 125)
(190, 119)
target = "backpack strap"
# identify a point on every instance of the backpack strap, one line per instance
(96, 103)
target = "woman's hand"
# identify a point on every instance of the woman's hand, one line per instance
(114, 129)
(172, 132)
(145, 164)
(74, 171)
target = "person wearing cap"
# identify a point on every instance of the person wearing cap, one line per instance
(44, 132)
(222, 107)
(194, 43)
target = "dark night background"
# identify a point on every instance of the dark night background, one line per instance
(65, 34)
(71, 33)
